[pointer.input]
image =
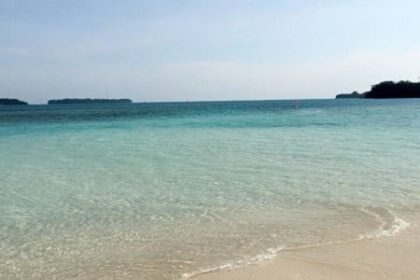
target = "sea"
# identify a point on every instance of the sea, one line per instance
(173, 190)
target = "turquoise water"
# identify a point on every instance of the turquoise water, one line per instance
(169, 190)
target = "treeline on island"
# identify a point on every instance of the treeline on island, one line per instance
(87, 101)
(12, 101)
(388, 89)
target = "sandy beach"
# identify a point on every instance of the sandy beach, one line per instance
(395, 257)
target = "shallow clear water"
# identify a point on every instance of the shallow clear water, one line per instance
(166, 190)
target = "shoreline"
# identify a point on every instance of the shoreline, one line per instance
(385, 257)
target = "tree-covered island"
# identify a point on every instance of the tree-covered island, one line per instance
(12, 101)
(388, 89)
(87, 101)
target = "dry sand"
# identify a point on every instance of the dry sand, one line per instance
(396, 257)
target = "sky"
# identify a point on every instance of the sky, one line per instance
(186, 50)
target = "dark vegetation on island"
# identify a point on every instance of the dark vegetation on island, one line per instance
(402, 89)
(354, 94)
(12, 101)
(87, 101)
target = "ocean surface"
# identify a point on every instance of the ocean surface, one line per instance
(171, 190)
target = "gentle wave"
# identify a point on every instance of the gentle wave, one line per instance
(390, 225)
(268, 255)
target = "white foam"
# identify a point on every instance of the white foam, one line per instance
(267, 255)
(387, 227)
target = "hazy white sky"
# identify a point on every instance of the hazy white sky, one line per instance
(204, 50)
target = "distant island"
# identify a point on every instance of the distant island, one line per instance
(388, 89)
(354, 94)
(87, 101)
(12, 101)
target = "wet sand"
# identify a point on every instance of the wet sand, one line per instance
(396, 257)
